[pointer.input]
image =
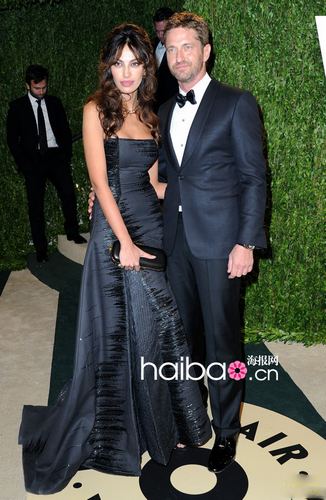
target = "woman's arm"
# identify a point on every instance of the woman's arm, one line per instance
(159, 187)
(96, 165)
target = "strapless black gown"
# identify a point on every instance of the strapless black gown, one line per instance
(109, 414)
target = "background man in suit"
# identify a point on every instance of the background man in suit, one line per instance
(167, 85)
(39, 139)
(213, 210)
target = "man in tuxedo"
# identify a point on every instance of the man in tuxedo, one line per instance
(213, 211)
(39, 139)
(167, 85)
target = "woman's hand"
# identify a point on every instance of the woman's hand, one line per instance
(91, 199)
(130, 255)
(159, 187)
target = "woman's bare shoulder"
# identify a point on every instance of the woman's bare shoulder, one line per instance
(91, 107)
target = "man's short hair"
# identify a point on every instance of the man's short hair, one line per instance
(162, 14)
(37, 73)
(190, 21)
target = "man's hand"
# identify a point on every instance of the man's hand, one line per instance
(91, 199)
(241, 261)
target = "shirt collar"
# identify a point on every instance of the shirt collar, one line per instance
(33, 99)
(199, 88)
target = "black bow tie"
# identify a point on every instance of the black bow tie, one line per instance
(182, 99)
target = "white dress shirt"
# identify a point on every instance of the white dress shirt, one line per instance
(52, 143)
(182, 118)
(159, 53)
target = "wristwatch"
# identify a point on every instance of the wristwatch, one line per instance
(249, 247)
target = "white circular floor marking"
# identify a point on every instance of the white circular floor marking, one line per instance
(193, 479)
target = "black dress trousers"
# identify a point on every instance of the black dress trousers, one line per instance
(53, 166)
(203, 291)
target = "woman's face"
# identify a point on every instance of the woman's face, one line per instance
(127, 72)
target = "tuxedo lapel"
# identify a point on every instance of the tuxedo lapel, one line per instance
(197, 127)
(164, 63)
(30, 114)
(168, 146)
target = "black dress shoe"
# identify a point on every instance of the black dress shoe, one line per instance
(42, 257)
(222, 454)
(77, 238)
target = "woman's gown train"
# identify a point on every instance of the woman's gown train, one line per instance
(114, 408)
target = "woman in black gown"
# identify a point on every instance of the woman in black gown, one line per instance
(112, 410)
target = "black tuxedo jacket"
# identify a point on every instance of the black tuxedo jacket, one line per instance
(22, 134)
(167, 85)
(221, 181)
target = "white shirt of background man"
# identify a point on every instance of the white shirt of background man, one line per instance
(52, 143)
(159, 53)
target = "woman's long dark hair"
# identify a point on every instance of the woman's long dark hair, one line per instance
(108, 98)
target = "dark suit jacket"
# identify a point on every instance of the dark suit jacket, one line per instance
(167, 85)
(22, 135)
(221, 181)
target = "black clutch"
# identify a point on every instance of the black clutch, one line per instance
(157, 264)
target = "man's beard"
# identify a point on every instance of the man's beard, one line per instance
(40, 97)
(184, 75)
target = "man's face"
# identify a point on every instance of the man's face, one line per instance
(186, 56)
(159, 30)
(38, 90)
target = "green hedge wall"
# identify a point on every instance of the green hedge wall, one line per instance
(269, 47)
(20, 4)
(65, 36)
